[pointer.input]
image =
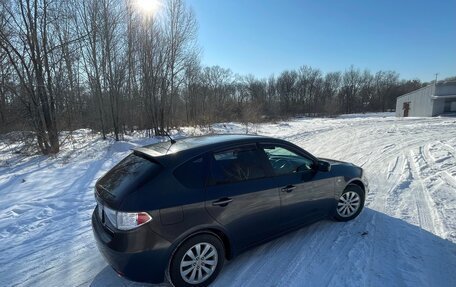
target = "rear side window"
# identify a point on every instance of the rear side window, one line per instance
(191, 173)
(237, 165)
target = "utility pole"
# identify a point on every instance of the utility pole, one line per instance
(436, 74)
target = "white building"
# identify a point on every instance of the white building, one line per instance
(429, 101)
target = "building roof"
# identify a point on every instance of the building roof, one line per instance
(434, 95)
(412, 92)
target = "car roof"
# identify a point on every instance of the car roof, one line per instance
(186, 148)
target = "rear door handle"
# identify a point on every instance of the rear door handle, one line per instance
(288, 188)
(222, 202)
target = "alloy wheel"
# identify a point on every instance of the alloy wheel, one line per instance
(198, 263)
(349, 203)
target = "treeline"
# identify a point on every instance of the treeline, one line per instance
(106, 65)
(305, 91)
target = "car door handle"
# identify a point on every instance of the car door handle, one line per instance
(222, 202)
(288, 188)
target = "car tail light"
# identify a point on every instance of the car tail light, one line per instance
(126, 220)
(130, 220)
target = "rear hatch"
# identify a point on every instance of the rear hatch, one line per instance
(126, 177)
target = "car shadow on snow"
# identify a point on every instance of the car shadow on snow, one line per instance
(109, 278)
(373, 250)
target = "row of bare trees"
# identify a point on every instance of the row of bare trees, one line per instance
(92, 63)
(105, 65)
(214, 94)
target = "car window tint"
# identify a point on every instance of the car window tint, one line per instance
(191, 173)
(133, 168)
(285, 161)
(237, 165)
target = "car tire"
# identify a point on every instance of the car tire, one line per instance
(203, 268)
(350, 203)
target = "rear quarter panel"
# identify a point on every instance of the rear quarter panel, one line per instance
(177, 211)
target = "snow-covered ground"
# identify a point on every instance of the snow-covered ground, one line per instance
(406, 236)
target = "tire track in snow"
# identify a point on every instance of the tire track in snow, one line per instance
(394, 173)
(392, 167)
(316, 247)
(300, 248)
(397, 240)
(450, 149)
(427, 218)
(394, 176)
(443, 187)
(427, 154)
(449, 179)
(436, 165)
(351, 247)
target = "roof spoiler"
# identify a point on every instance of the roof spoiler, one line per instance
(148, 154)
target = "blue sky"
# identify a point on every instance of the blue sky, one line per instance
(263, 37)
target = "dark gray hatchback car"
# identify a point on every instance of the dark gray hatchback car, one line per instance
(181, 208)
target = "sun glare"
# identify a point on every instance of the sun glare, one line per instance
(148, 7)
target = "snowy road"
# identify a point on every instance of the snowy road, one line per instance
(405, 237)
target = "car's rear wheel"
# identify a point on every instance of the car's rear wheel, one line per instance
(197, 261)
(350, 204)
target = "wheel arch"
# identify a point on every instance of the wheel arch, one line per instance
(357, 182)
(225, 241)
(220, 234)
(217, 232)
(354, 182)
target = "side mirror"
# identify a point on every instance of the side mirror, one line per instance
(323, 166)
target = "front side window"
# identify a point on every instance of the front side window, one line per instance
(238, 164)
(285, 161)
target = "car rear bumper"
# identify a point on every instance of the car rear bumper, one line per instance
(139, 255)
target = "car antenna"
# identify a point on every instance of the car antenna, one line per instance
(171, 139)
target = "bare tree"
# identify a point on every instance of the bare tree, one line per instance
(25, 40)
(89, 17)
(286, 89)
(351, 84)
(191, 93)
(180, 34)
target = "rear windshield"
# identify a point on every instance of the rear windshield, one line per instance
(131, 172)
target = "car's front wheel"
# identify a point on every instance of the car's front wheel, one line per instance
(197, 261)
(350, 204)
